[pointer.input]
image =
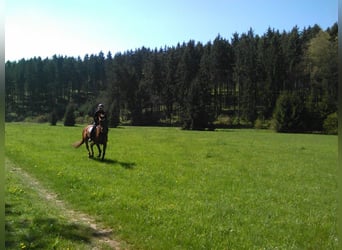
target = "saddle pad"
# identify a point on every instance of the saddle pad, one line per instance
(90, 129)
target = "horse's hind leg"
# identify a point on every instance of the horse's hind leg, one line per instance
(91, 155)
(87, 146)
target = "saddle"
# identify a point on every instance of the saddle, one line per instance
(92, 133)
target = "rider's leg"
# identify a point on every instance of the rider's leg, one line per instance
(92, 132)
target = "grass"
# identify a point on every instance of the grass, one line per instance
(32, 223)
(164, 188)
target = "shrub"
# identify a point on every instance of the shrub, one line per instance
(79, 120)
(11, 117)
(83, 120)
(53, 118)
(262, 124)
(223, 121)
(69, 117)
(289, 113)
(330, 124)
(41, 118)
(29, 119)
(113, 115)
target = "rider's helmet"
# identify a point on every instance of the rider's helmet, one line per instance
(100, 106)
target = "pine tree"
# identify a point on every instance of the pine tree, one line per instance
(221, 63)
(169, 90)
(199, 113)
(244, 78)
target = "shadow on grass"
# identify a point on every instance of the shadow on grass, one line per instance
(126, 165)
(37, 232)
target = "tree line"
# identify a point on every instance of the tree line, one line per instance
(288, 79)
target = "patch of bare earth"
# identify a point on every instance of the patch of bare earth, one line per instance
(101, 235)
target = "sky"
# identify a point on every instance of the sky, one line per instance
(78, 27)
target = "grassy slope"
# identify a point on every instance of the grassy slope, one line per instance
(173, 189)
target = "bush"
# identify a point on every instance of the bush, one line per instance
(113, 115)
(262, 124)
(84, 120)
(11, 117)
(69, 117)
(289, 113)
(330, 124)
(29, 119)
(53, 118)
(223, 121)
(41, 118)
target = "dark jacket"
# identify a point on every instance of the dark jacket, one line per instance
(96, 115)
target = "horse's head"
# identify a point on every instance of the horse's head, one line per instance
(102, 118)
(103, 123)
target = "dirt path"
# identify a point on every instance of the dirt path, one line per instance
(101, 234)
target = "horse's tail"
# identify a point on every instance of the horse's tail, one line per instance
(77, 144)
(84, 137)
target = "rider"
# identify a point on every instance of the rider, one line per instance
(99, 111)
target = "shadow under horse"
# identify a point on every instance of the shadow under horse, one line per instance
(101, 137)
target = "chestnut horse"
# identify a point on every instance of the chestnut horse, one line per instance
(101, 136)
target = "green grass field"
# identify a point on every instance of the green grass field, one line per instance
(34, 224)
(165, 188)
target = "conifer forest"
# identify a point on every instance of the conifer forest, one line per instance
(284, 79)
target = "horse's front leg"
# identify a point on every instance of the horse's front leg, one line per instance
(99, 149)
(104, 150)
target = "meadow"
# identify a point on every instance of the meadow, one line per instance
(166, 188)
